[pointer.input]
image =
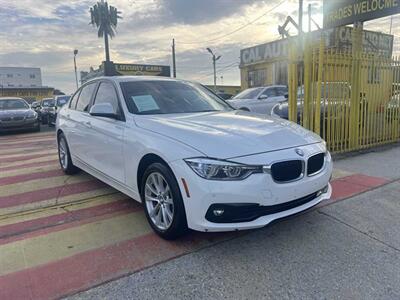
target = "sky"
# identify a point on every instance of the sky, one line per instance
(44, 33)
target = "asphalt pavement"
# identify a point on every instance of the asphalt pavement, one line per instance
(348, 249)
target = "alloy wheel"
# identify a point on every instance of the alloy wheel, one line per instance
(159, 201)
(62, 153)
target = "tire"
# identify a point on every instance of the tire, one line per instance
(45, 120)
(37, 129)
(64, 156)
(171, 214)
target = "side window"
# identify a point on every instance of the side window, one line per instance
(84, 97)
(72, 103)
(106, 94)
(281, 91)
(269, 92)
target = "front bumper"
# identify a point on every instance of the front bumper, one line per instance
(19, 125)
(261, 199)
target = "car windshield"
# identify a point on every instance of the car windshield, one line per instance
(49, 102)
(169, 97)
(62, 100)
(249, 93)
(11, 104)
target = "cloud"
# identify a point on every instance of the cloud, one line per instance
(44, 33)
(202, 11)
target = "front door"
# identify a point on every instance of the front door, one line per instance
(107, 136)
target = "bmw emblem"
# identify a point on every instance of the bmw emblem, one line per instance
(299, 152)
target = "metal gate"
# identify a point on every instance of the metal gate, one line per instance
(350, 98)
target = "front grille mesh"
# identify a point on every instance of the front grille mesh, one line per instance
(315, 163)
(287, 170)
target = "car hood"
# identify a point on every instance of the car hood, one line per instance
(229, 134)
(15, 112)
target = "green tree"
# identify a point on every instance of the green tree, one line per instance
(105, 18)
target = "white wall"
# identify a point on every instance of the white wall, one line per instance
(20, 77)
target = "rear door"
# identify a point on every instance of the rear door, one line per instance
(106, 139)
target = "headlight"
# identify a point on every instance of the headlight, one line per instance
(32, 116)
(214, 169)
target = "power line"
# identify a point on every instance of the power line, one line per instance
(226, 68)
(237, 29)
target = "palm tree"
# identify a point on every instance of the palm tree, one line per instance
(105, 18)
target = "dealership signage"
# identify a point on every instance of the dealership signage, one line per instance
(337, 38)
(136, 69)
(345, 12)
(373, 42)
(264, 52)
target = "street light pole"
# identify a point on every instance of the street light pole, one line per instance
(214, 59)
(76, 72)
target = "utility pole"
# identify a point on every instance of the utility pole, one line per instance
(76, 71)
(173, 59)
(214, 59)
(300, 17)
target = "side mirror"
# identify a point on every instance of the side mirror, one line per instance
(105, 110)
(263, 97)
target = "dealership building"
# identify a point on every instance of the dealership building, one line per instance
(267, 64)
(22, 82)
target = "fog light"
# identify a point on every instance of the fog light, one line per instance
(218, 212)
(323, 191)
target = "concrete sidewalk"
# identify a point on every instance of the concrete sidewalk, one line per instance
(346, 250)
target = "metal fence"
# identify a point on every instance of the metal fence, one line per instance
(351, 99)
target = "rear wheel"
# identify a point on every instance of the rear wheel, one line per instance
(163, 202)
(64, 156)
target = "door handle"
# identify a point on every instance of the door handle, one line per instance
(88, 124)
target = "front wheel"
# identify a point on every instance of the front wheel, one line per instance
(162, 201)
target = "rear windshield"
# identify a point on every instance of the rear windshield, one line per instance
(13, 104)
(62, 100)
(48, 103)
(249, 93)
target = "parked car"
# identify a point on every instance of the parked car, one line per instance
(16, 114)
(47, 106)
(333, 103)
(259, 100)
(59, 102)
(189, 157)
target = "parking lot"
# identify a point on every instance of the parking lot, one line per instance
(60, 235)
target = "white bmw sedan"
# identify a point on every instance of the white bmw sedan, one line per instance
(190, 158)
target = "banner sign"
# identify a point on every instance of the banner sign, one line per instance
(345, 12)
(136, 69)
(338, 38)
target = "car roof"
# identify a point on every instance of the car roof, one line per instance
(11, 98)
